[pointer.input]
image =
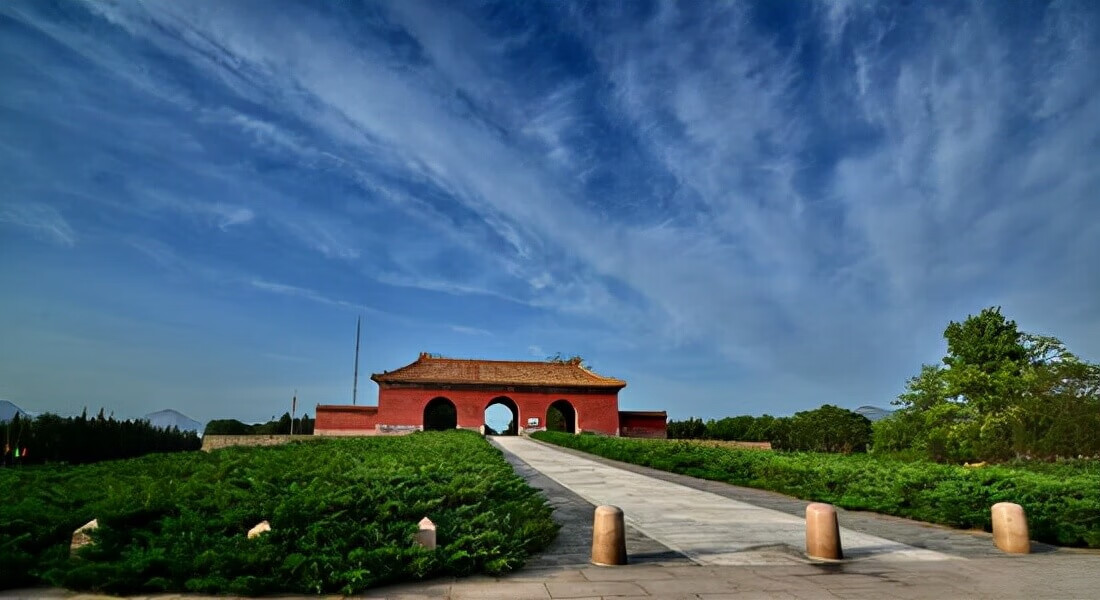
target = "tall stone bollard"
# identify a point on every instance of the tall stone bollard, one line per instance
(261, 528)
(1010, 528)
(82, 536)
(426, 535)
(822, 532)
(609, 536)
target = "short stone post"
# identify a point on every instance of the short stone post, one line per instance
(822, 532)
(426, 535)
(609, 536)
(82, 536)
(1010, 528)
(261, 528)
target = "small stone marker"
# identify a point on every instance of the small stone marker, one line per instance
(822, 532)
(425, 537)
(1010, 528)
(608, 536)
(261, 528)
(81, 536)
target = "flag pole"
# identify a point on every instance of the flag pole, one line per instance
(355, 382)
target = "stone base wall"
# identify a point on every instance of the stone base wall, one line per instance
(215, 442)
(643, 432)
(373, 431)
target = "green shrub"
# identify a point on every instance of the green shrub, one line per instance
(342, 511)
(1062, 500)
(826, 429)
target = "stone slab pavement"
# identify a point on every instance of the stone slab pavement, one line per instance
(706, 527)
(958, 542)
(573, 545)
(912, 560)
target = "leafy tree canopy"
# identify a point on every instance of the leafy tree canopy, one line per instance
(999, 393)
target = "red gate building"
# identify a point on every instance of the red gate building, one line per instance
(445, 393)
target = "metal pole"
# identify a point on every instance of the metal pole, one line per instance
(355, 384)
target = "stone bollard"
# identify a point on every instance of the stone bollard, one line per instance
(609, 536)
(82, 537)
(1010, 528)
(426, 535)
(822, 532)
(261, 528)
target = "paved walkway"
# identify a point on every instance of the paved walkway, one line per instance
(957, 542)
(573, 545)
(708, 528)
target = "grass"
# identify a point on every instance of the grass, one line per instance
(1062, 501)
(342, 511)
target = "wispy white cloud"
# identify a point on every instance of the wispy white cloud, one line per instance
(748, 256)
(794, 199)
(311, 295)
(42, 220)
(470, 330)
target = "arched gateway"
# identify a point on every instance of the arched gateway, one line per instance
(426, 393)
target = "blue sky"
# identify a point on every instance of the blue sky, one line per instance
(736, 207)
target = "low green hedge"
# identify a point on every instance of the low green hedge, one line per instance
(342, 511)
(1063, 504)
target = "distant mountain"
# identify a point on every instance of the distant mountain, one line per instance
(9, 410)
(170, 418)
(874, 413)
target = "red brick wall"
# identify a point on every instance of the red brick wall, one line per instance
(595, 412)
(339, 418)
(642, 426)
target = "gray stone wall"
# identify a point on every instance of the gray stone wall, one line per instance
(214, 442)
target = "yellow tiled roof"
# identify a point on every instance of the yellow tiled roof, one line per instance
(429, 369)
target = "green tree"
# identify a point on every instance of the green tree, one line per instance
(691, 429)
(745, 428)
(762, 430)
(1000, 393)
(826, 429)
(985, 357)
(555, 420)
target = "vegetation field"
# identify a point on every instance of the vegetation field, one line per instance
(1062, 500)
(342, 511)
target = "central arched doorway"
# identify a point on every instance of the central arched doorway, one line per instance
(501, 416)
(561, 416)
(440, 415)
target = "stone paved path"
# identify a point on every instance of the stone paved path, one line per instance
(958, 542)
(573, 545)
(706, 527)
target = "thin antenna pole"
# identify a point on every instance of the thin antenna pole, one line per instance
(355, 383)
